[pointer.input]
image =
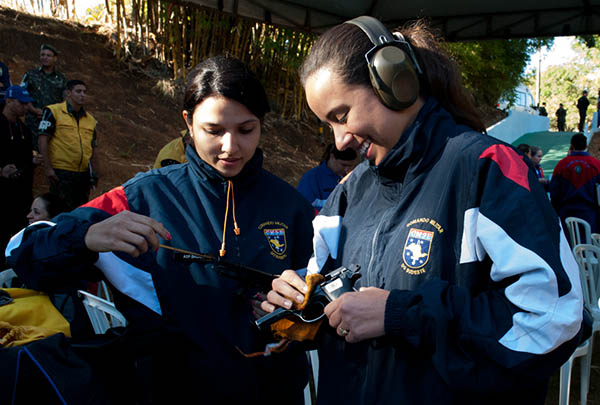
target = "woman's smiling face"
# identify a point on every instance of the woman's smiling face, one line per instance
(356, 115)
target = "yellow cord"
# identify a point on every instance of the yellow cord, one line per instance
(223, 251)
(236, 228)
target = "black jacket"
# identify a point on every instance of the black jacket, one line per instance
(485, 299)
(211, 313)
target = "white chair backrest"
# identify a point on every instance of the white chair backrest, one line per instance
(103, 291)
(596, 239)
(102, 313)
(576, 226)
(6, 278)
(588, 259)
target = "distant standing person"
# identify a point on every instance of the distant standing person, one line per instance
(524, 149)
(582, 105)
(543, 112)
(16, 166)
(536, 158)
(573, 184)
(317, 183)
(46, 86)
(67, 139)
(561, 118)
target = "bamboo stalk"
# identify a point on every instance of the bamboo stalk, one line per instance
(118, 3)
(185, 33)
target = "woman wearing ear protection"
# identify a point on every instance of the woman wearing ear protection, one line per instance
(198, 324)
(469, 293)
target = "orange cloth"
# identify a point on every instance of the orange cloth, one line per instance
(294, 328)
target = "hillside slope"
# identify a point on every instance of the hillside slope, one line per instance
(134, 121)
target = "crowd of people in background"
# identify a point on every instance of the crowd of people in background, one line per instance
(573, 188)
(582, 105)
(44, 122)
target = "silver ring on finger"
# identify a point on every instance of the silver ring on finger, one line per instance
(343, 332)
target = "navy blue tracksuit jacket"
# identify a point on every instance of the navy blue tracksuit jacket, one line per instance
(209, 312)
(485, 299)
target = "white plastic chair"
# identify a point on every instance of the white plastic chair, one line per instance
(596, 239)
(6, 277)
(588, 259)
(103, 291)
(584, 350)
(102, 313)
(575, 226)
(309, 394)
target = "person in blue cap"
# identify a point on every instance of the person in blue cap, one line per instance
(16, 165)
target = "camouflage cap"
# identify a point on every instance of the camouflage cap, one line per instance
(50, 48)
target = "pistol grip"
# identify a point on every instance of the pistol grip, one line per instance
(265, 321)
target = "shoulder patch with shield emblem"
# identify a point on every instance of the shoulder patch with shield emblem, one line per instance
(276, 239)
(417, 248)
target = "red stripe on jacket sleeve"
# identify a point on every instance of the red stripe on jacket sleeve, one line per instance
(112, 202)
(510, 162)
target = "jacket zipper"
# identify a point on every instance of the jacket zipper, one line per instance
(384, 218)
(80, 144)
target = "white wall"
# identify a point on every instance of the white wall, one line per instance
(517, 124)
(589, 131)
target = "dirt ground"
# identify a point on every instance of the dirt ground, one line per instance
(135, 120)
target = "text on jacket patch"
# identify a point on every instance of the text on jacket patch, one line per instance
(274, 232)
(417, 247)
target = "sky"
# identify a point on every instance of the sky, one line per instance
(82, 5)
(559, 53)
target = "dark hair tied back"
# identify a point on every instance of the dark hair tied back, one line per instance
(53, 204)
(227, 77)
(343, 49)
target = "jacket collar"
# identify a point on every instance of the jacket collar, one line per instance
(41, 69)
(206, 171)
(420, 144)
(576, 153)
(69, 110)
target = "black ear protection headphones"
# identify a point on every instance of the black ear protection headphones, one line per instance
(393, 66)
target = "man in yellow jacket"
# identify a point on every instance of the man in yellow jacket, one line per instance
(67, 139)
(174, 151)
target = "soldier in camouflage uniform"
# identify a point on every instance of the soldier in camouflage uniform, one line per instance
(45, 85)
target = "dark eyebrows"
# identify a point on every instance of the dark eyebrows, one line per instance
(215, 124)
(251, 120)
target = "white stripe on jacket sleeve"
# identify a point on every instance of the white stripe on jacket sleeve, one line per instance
(547, 320)
(326, 239)
(126, 278)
